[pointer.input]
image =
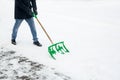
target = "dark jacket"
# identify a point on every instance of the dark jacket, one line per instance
(23, 8)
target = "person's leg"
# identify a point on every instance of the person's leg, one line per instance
(15, 29)
(30, 22)
(32, 28)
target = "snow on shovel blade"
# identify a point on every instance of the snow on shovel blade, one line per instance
(57, 48)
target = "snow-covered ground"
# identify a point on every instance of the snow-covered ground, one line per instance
(90, 30)
(17, 67)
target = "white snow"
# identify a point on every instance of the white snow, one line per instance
(90, 30)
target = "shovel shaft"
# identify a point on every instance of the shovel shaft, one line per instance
(44, 30)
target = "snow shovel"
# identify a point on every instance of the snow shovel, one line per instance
(54, 48)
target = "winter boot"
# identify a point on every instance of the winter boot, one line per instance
(37, 43)
(13, 41)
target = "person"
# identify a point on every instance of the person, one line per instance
(24, 10)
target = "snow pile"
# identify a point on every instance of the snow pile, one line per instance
(16, 67)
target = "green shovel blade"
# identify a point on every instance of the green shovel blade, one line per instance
(57, 48)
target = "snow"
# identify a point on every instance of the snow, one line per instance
(17, 67)
(90, 30)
